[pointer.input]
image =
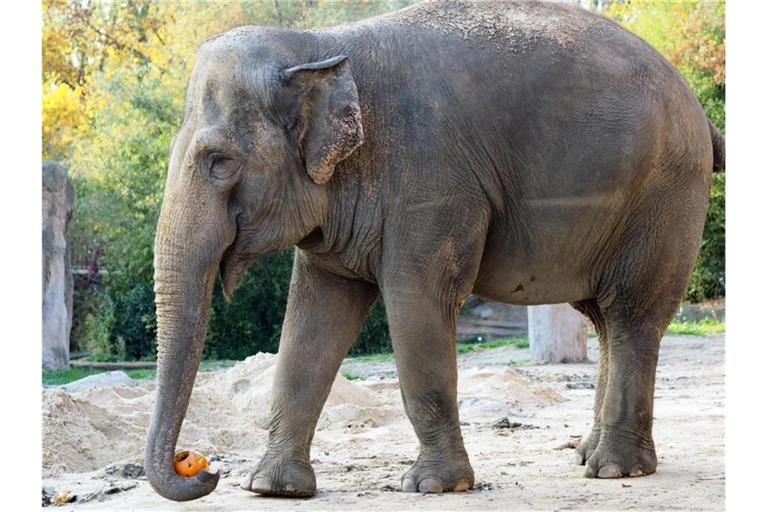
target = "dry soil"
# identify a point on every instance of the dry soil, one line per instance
(93, 439)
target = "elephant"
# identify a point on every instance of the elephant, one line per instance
(529, 153)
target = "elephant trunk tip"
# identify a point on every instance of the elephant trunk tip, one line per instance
(170, 485)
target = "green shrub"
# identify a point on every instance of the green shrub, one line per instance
(708, 278)
(97, 329)
(251, 322)
(119, 165)
(374, 338)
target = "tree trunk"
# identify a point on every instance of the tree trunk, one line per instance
(556, 334)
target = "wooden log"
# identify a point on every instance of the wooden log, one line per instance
(556, 334)
(125, 365)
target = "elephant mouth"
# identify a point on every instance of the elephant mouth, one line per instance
(313, 240)
(231, 269)
(234, 261)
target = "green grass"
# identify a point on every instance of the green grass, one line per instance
(462, 347)
(216, 364)
(465, 347)
(372, 358)
(352, 376)
(59, 377)
(705, 327)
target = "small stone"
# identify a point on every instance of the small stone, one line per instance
(461, 486)
(63, 498)
(132, 471)
(502, 423)
(580, 385)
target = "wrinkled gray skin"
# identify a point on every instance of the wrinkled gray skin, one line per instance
(544, 156)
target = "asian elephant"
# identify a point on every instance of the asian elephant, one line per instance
(529, 153)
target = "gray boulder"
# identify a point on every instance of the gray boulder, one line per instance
(114, 378)
(58, 203)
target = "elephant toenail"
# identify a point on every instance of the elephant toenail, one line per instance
(636, 472)
(408, 485)
(463, 485)
(430, 485)
(609, 471)
(260, 485)
(290, 488)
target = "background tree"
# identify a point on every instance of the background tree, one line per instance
(113, 85)
(114, 77)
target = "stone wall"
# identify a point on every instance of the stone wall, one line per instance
(58, 202)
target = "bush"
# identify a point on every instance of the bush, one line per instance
(374, 338)
(708, 279)
(133, 103)
(97, 330)
(251, 322)
(131, 107)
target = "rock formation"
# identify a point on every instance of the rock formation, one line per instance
(58, 202)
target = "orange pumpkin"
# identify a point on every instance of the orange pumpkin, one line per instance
(189, 463)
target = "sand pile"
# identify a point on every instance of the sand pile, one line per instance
(493, 392)
(504, 384)
(80, 435)
(229, 412)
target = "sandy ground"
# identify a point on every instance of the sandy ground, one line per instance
(364, 441)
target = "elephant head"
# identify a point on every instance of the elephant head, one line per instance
(263, 129)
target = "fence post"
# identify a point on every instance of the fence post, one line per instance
(556, 334)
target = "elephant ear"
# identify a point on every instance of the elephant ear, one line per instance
(329, 123)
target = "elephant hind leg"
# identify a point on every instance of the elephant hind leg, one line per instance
(635, 320)
(625, 445)
(591, 310)
(642, 280)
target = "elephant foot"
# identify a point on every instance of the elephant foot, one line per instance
(276, 476)
(618, 456)
(437, 475)
(587, 447)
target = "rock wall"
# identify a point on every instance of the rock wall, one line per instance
(58, 202)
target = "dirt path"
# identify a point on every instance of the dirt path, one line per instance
(360, 451)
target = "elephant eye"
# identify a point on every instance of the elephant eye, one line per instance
(221, 167)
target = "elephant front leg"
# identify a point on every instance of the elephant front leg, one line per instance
(423, 337)
(323, 318)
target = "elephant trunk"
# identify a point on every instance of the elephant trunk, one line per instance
(183, 289)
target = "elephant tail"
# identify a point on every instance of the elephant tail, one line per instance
(718, 148)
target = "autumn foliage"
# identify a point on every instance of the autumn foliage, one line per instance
(114, 75)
